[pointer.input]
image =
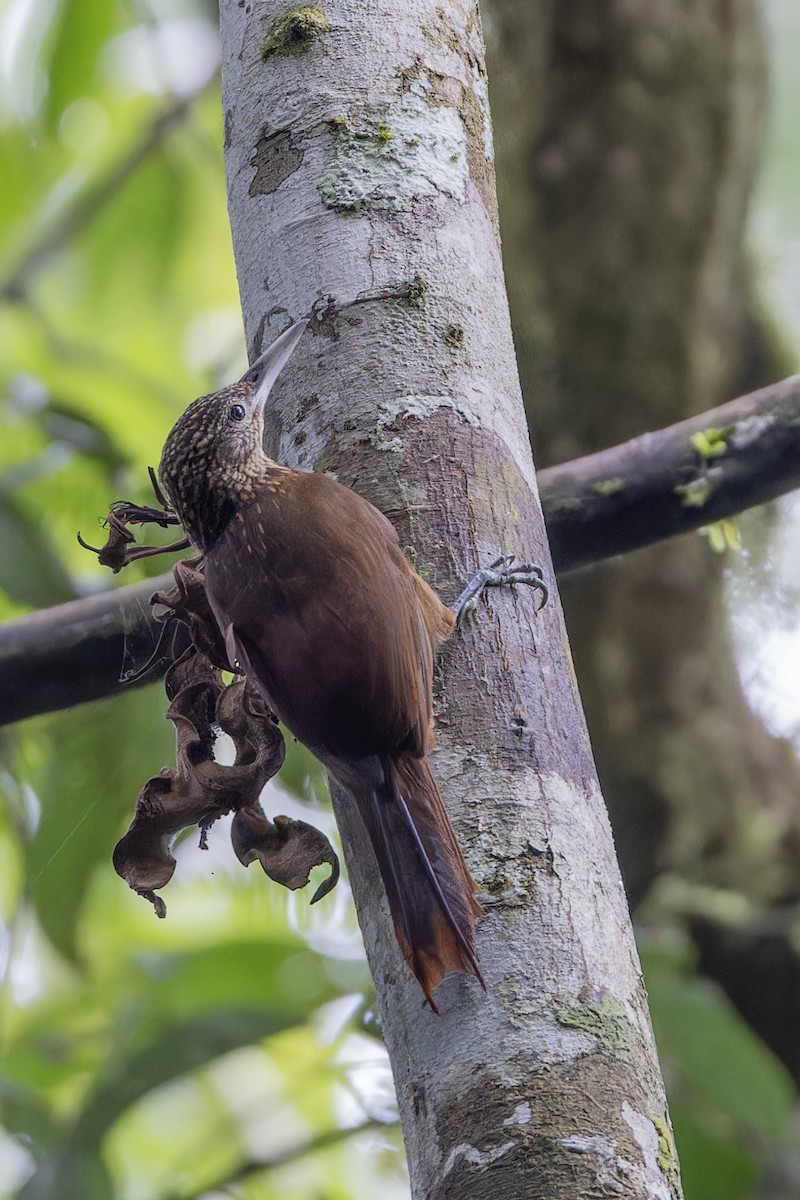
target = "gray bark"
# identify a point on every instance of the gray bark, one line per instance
(360, 180)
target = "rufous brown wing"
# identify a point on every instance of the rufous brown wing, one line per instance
(324, 612)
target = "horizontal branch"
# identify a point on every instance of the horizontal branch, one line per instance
(61, 656)
(699, 471)
(705, 469)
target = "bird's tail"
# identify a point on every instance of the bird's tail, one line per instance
(430, 890)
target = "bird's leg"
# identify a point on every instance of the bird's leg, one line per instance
(503, 571)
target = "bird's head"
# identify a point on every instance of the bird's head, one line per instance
(214, 455)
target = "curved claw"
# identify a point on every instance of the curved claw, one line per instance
(501, 573)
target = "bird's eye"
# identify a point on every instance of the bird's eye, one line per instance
(237, 412)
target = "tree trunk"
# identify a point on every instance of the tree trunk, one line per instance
(359, 165)
(628, 149)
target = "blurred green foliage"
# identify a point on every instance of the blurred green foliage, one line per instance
(147, 1060)
(141, 1058)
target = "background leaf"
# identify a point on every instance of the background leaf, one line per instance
(98, 757)
(31, 571)
(729, 1095)
(80, 30)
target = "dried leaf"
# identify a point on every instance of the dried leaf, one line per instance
(200, 790)
(187, 602)
(287, 849)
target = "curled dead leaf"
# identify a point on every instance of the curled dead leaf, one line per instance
(287, 849)
(199, 789)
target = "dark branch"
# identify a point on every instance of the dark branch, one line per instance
(62, 656)
(648, 489)
(661, 484)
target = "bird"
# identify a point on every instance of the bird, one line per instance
(317, 603)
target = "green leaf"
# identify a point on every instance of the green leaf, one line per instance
(135, 234)
(31, 571)
(721, 1067)
(61, 422)
(82, 28)
(175, 1050)
(69, 1176)
(279, 973)
(711, 442)
(24, 1113)
(302, 774)
(722, 535)
(98, 758)
(21, 173)
(714, 1165)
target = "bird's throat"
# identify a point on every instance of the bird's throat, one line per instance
(205, 513)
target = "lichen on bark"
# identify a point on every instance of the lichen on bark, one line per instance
(295, 31)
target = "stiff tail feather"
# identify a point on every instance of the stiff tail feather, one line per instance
(430, 890)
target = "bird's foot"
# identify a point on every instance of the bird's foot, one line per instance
(503, 571)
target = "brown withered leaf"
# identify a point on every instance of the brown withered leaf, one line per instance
(114, 553)
(200, 790)
(286, 848)
(186, 601)
(120, 548)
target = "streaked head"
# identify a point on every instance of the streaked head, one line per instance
(214, 454)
